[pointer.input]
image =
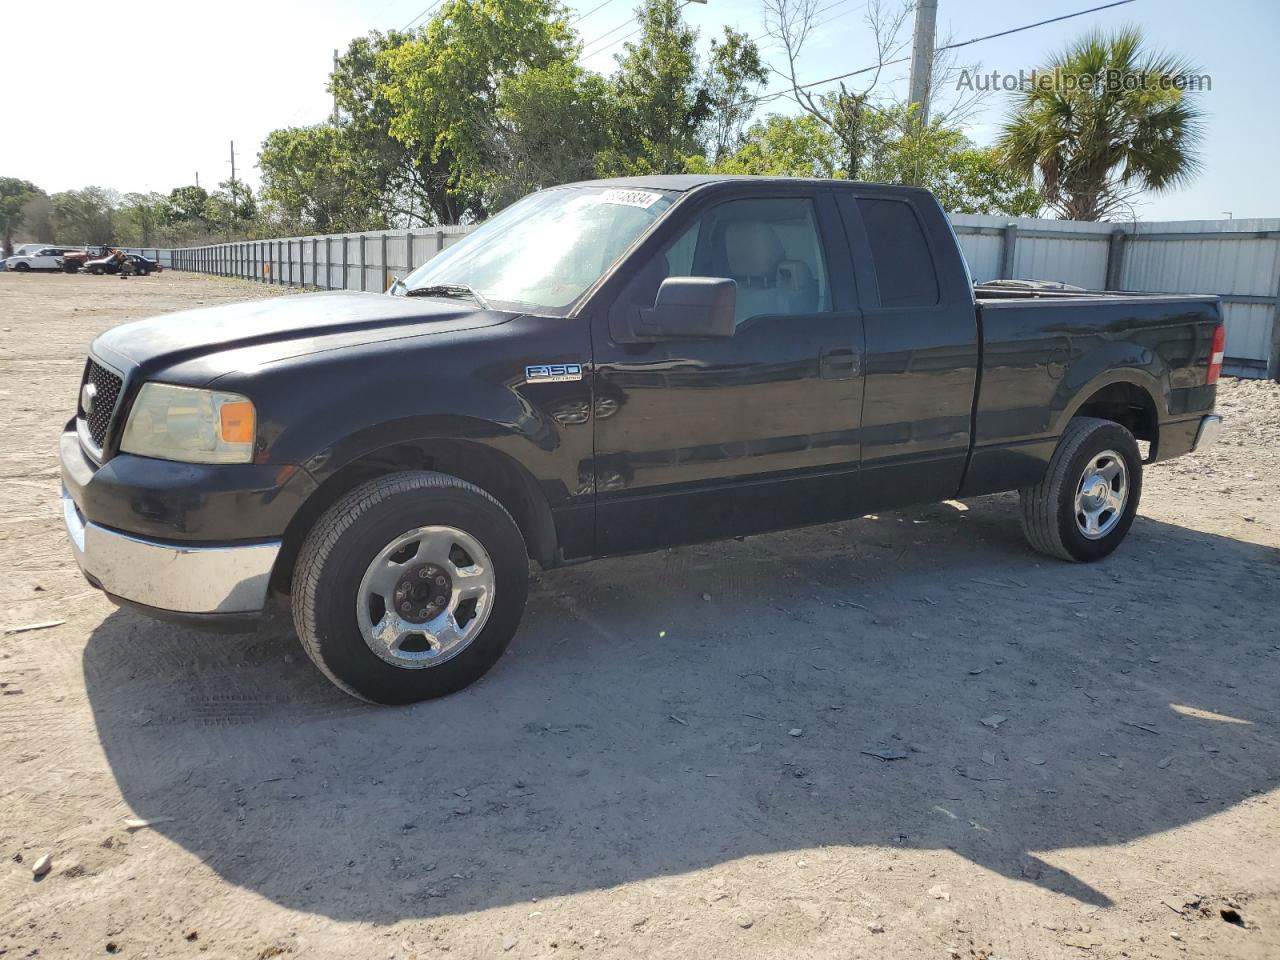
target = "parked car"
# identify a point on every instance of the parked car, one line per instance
(144, 265)
(40, 258)
(604, 368)
(111, 264)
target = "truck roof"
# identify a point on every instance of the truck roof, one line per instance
(683, 182)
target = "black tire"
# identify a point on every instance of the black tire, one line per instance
(69, 268)
(96, 271)
(340, 548)
(22, 267)
(1048, 508)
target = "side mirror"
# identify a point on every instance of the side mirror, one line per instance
(397, 288)
(688, 308)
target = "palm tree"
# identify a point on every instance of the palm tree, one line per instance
(1089, 148)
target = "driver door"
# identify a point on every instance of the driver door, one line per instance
(697, 439)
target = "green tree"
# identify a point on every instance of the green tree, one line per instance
(185, 205)
(230, 209)
(778, 146)
(1091, 147)
(312, 181)
(141, 218)
(444, 88)
(549, 128)
(735, 72)
(411, 184)
(14, 194)
(964, 177)
(660, 103)
(85, 216)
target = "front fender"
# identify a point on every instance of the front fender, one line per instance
(329, 409)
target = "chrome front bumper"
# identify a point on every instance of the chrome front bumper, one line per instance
(1210, 427)
(176, 577)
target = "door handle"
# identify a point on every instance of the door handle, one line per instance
(838, 363)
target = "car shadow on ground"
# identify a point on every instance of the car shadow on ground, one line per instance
(644, 722)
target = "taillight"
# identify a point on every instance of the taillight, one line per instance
(1215, 354)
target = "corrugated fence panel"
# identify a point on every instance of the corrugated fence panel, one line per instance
(1249, 328)
(1081, 261)
(1239, 260)
(982, 252)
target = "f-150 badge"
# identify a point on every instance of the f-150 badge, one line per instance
(552, 372)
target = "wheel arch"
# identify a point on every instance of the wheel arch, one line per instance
(1121, 381)
(1125, 401)
(495, 472)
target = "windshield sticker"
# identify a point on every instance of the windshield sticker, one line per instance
(631, 198)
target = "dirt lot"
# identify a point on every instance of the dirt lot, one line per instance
(675, 757)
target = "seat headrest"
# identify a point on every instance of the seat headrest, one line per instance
(752, 249)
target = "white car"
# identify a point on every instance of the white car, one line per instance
(43, 258)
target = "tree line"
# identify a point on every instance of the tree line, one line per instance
(486, 101)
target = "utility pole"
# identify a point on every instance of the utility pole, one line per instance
(922, 58)
(335, 91)
(233, 161)
(197, 178)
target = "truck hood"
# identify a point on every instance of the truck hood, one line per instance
(214, 340)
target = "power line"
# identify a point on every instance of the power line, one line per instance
(583, 16)
(756, 39)
(627, 36)
(950, 46)
(425, 12)
(607, 33)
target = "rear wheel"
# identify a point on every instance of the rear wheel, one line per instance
(1085, 504)
(410, 587)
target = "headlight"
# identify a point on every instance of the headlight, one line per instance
(195, 426)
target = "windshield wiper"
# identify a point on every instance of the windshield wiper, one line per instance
(448, 290)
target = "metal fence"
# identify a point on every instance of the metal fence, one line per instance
(1239, 260)
(344, 261)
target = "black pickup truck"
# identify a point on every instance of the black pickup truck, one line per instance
(602, 368)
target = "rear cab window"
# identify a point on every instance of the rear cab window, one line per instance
(906, 275)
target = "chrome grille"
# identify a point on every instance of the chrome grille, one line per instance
(107, 386)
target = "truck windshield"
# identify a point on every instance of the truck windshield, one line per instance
(542, 253)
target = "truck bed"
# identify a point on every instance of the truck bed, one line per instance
(1046, 353)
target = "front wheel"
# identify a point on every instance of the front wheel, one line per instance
(410, 587)
(22, 267)
(1085, 504)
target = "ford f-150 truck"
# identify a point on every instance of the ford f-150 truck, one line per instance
(602, 368)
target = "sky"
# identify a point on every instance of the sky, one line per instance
(191, 78)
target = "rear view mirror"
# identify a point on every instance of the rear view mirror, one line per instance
(690, 307)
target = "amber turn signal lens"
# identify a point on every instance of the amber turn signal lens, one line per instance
(235, 421)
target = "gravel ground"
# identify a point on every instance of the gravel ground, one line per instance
(678, 756)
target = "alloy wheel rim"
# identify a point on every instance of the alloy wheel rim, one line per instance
(425, 597)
